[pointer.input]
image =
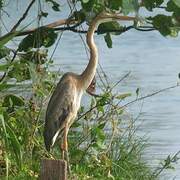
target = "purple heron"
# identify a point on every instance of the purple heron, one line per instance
(65, 100)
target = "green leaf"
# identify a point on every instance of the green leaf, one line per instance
(172, 7)
(108, 40)
(137, 91)
(127, 6)
(177, 2)
(5, 86)
(4, 51)
(98, 134)
(115, 4)
(88, 6)
(3, 124)
(98, 137)
(4, 67)
(15, 145)
(20, 71)
(110, 26)
(150, 4)
(44, 14)
(103, 101)
(123, 96)
(15, 100)
(41, 37)
(102, 125)
(6, 38)
(11, 141)
(79, 15)
(55, 5)
(1, 3)
(100, 108)
(162, 23)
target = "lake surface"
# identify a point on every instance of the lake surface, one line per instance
(154, 62)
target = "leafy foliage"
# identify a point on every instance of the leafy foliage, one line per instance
(177, 2)
(114, 4)
(19, 71)
(4, 51)
(173, 7)
(6, 38)
(108, 40)
(41, 37)
(163, 24)
(128, 6)
(107, 28)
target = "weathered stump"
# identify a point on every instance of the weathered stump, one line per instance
(53, 170)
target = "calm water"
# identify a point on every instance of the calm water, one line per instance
(154, 62)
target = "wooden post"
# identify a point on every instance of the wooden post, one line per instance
(53, 170)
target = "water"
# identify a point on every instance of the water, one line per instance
(154, 62)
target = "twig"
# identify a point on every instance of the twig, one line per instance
(125, 76)
(172, 159)
(13, 58)
(149, 95)
(23, 16)
(144, 30)
(98, 31)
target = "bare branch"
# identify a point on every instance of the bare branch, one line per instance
(144, 29)
(53, 25)
(23, 16)
(125, 76)
(149, 95)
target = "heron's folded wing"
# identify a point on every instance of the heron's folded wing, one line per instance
(58, 110)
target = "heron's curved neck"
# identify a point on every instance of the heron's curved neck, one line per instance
(89, 73)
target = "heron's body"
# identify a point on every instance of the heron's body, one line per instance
(63, 107)
(65, 101)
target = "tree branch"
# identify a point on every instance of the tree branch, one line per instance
(53, 25)
(75, 24)
(144, 28)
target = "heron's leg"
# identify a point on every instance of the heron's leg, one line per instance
(65, 138)
(62, 150)
(66, 146)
